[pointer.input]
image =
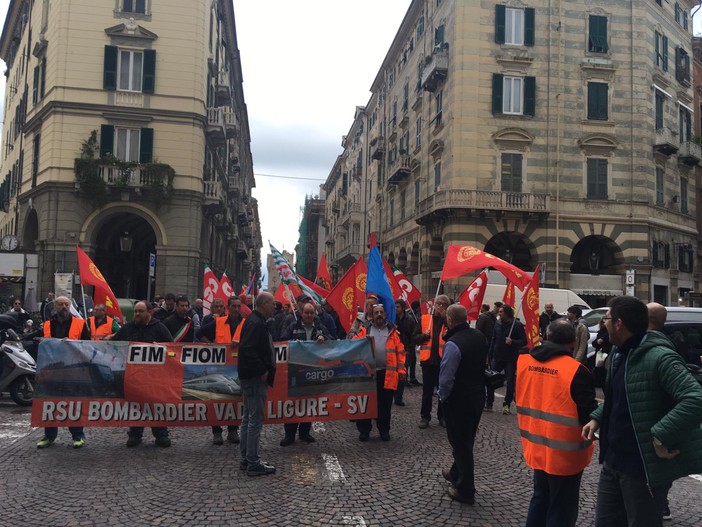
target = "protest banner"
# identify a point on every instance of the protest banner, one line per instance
(103, 383)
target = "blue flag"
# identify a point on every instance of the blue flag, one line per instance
(377, 283)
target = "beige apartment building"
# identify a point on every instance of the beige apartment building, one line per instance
(556, 133)
(125, 130)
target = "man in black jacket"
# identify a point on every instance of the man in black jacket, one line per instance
(405, 325)
(508, 339)
(462, 394)
(145, 328)
(256, 373)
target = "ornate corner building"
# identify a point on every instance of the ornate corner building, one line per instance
(125, 130)
(551, 133)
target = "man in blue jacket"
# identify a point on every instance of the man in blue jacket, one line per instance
(649, 423)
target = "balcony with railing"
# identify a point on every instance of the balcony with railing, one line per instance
(435, 69)
(400, 170)
(223, 92)
(690, 154)
(444, 203)
(231, 123)
(213, 192)
(665, 142)
(215, 125)
(349, 253)
(377, 147)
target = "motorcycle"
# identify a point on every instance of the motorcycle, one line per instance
(18, 366)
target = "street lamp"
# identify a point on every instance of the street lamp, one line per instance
(125, 242)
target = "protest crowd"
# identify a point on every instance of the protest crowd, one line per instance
(648, 425)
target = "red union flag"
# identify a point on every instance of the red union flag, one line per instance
(463, 259)
(349, 294)
(530, 307)
(508, 297)
(409, 291)
(472, 296)
(210, 288)
(323, 275)
(91, 275)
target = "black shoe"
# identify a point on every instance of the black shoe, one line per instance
(233, 437)
(363, 437)
(243, 465)
(133, 441)
(400, 403)
(385, 436)
(307, 438)
(415, 382)
(446, 473)
(260, 470)
(217, 438)
(163, 442)
(457, 496)
(287, 440)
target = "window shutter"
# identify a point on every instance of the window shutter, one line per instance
(42, 85)
(497, 89)
(529, 26)
(109, 80)
(591, 178)
(530, 96)
(149, 77)
(439, 35)
(665, 53)
(678, 65)
(667, 256)
(146, 145)
(499, 24)
(35, 87)
(655, 254)
(107, 139)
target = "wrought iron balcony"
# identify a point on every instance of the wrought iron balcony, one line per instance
(690, 154)
(444, 203)
(435, 69)
(665, 142)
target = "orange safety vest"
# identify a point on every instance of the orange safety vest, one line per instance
(97, 333)
(425, 347)
(395, 358)
(74, 332)
(223, 332)
(548, 416)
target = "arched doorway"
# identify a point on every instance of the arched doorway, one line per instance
(31, 231)
(512, 247)
(594, 255)
(122, 247)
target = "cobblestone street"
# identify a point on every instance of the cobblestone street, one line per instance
(335, 481)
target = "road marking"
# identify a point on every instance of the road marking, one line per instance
(354, 520)
(318, 426)
(698, 477)
(334, 470)
(13, 431)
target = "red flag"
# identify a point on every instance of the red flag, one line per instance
(323, 275)
(530, 308)
(102, 294)
(349, 294)
(281, 295)
(409, 291)
(295, 291)
(472, 296)
(427, 307)
(462, 259)
(210, 287)
(508, 297)
(373, 242)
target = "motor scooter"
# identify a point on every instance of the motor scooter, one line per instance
(18, 367)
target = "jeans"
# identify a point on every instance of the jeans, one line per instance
(510, 367)
(462, 420)
(254, 391)
(623, 501)
(51, 432)
(385, 397)
(157, 431)
(430, 377)
(555, 500)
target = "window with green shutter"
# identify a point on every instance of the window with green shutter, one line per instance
(597, 178)
(597, 38)
(149, 76)
(499, 24)
(597, 101)
(660, 100)
(146, 145)
(109, 80)
(513, 95)
(107, 139)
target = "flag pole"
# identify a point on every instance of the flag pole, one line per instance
(436, 295)
(521, 301)
(82, 295)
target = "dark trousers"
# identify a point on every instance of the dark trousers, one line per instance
(218, 429)
(623, 501)
(510, 367)
(51, 432)
(462, 419)
(430, 378)
(385, 397)
(411, 363)
(157, 431)
(292, 428)
(555, 500)
(400, 392)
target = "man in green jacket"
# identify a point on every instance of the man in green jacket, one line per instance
(649, 423)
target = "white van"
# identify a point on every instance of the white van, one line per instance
(562, 299)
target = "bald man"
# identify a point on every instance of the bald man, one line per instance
(657, 315)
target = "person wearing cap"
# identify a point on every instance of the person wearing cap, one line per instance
(582, 334)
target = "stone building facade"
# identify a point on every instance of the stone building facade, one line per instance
(551, 133)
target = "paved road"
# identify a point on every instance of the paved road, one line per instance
(335, 481)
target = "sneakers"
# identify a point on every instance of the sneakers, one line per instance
(217, 438)
(505, 409)
(307, 438)
(133, 441)
(163, 442)
(233, 437)
(78, 443)
(424, 423)
(260, 470)
(666, 512)
(287, 440)
(243, 465)
(45, 443)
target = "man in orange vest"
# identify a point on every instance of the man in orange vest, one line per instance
(101, 326)
(390, 370)
(224, 330)
(63, 325)
(555, 395)
(428, 336)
